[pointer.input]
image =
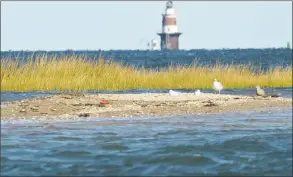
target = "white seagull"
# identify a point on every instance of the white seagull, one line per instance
(197, 92)
(217, 86)
(173, 93)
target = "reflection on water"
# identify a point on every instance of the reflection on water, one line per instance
(245, 143)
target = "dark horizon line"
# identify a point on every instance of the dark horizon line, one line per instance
(139, 49)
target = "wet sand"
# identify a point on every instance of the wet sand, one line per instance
(72, 106)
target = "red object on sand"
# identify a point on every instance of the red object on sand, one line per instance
(104, 102)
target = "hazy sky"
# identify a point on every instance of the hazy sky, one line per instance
(106, 25)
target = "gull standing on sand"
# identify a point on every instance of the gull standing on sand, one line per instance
(261, 92)
(217, 86)
(197, 93)
(173, 93)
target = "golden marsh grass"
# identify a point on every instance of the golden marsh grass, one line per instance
(75, 73)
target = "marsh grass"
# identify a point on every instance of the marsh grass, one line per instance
(76, 73)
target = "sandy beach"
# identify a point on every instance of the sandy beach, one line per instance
(128, 105)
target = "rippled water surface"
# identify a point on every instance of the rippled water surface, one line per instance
(255, 142)
(269, 57)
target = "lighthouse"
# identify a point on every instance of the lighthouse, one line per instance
(169, 35)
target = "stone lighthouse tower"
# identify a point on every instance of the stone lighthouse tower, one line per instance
(170, 34)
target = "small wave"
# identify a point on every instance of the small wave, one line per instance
(177, 149)
(70, 154)
(4, 159)
(64, 138)
(9, 146)
(114, 147)
(169, 132)
(106, 133)
(105, 138)
(246, 144)
(197, 159)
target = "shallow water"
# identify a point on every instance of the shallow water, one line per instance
(244, 143)
(12, 96)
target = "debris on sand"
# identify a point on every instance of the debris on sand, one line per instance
(84, 115)
(104, 102)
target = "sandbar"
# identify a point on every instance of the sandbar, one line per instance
(77, 105)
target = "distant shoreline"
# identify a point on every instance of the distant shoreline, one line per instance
(73, 106)
(107, 50)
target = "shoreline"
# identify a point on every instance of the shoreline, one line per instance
(78, 106)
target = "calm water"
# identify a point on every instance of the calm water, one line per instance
(255, 142)
(12, 96)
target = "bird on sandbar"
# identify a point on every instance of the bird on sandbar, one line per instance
(261, 92)
(217, 86)
(173, 93)
(197, 92)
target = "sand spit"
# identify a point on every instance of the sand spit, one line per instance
(72, 106)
